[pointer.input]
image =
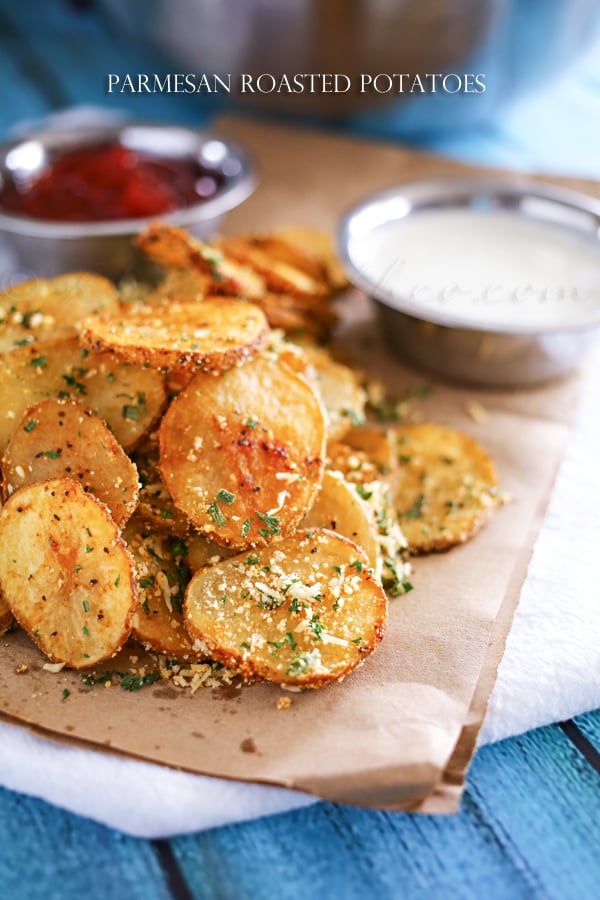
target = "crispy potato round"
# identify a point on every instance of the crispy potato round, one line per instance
(301, 612)
(319, 243)
(66, 573)
(242, 455)
(376, 444)
(162, 577)
(342, 394)
(156, 507)
(42, 309)
(129, 399)
(446, 486)
(355, 465)
(211, 336)
(339, 508)
(64, 439)
(280, 275)
(6, 618)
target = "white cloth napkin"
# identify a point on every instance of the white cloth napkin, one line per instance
(550, 672)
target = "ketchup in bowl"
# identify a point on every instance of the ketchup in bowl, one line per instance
(110, 181)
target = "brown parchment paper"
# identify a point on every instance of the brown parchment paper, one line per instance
(400, 732)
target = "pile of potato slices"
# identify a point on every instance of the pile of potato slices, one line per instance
(185, 465)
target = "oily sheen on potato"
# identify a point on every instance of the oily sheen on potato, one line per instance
(242, 455)
(304, 611)
(65, 572)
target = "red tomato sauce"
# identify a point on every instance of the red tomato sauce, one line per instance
(99, 183)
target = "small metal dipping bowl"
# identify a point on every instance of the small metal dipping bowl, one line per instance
(48, 248)
(450, 343)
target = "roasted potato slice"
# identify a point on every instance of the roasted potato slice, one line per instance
(66, 573)
(342, 394)
(319, 243)
(301, 612)
(43, 309)
(64, 439)
(162, 576)
(355, 465)
(242, 455)
(338, 508)
(6, 618)
(201, 551)
(175, 248)
(129, 399)
(211, 336)
(446, 487)
(280, 276)
(156, 507)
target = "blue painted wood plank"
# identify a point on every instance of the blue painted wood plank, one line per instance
(528, 828)
(589, 725)
(49, 854)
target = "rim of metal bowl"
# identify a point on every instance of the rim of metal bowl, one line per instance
(241, 185)
(456, 193)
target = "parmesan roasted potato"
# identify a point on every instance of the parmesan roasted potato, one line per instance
(48, 308)
(64, 439)
(242, 455)
(446, 487)
(129, 399)
(302, 612)
(342, 394)
(162, 577)
(339, 508)
(156, 507)
(6, 618)
(65, 572)
(211, 336)
(280, 275)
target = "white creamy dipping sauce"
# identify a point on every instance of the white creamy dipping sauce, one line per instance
(491, 268)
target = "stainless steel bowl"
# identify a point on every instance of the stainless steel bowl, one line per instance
(448, 342)
(47, 248)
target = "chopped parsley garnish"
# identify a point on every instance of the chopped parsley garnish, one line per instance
(356, 640)
(39, 362)
(72, 382)
(77, 568)
(251, 423)
(147, 582)
(133, 683)
(145, 606)
(416, 510)
(179, 548)
(354, 417)
(246, 527)
(299, 665)
(316, 627)
(252, 560)
(53, 454)
(117, 580)
(405, 458)
(272, 523)
(288, 639)
(66, 693)
(131, 412)
(225, 496)
(86, 606)
(30, 425)
(166, 513)
(86, 630)
(245, 645)
(142, 402)
(216, 514)
(337, 569)
(88, 549)
(363, 492)
(357, 565)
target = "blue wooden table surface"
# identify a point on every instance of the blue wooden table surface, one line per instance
(529, 823)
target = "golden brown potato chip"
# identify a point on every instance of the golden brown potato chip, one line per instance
(162, 577)
(129, 399)
(175, 248)
(65, 572)
(6, 619)
(211, 336)
(64, 439)
(319, 243)
(279, 275)
(242, 455)
(156, 507)
(303, 612)
(446, 486)
(339, 508)
(282, 250)
(43, 309)
(342, 394)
